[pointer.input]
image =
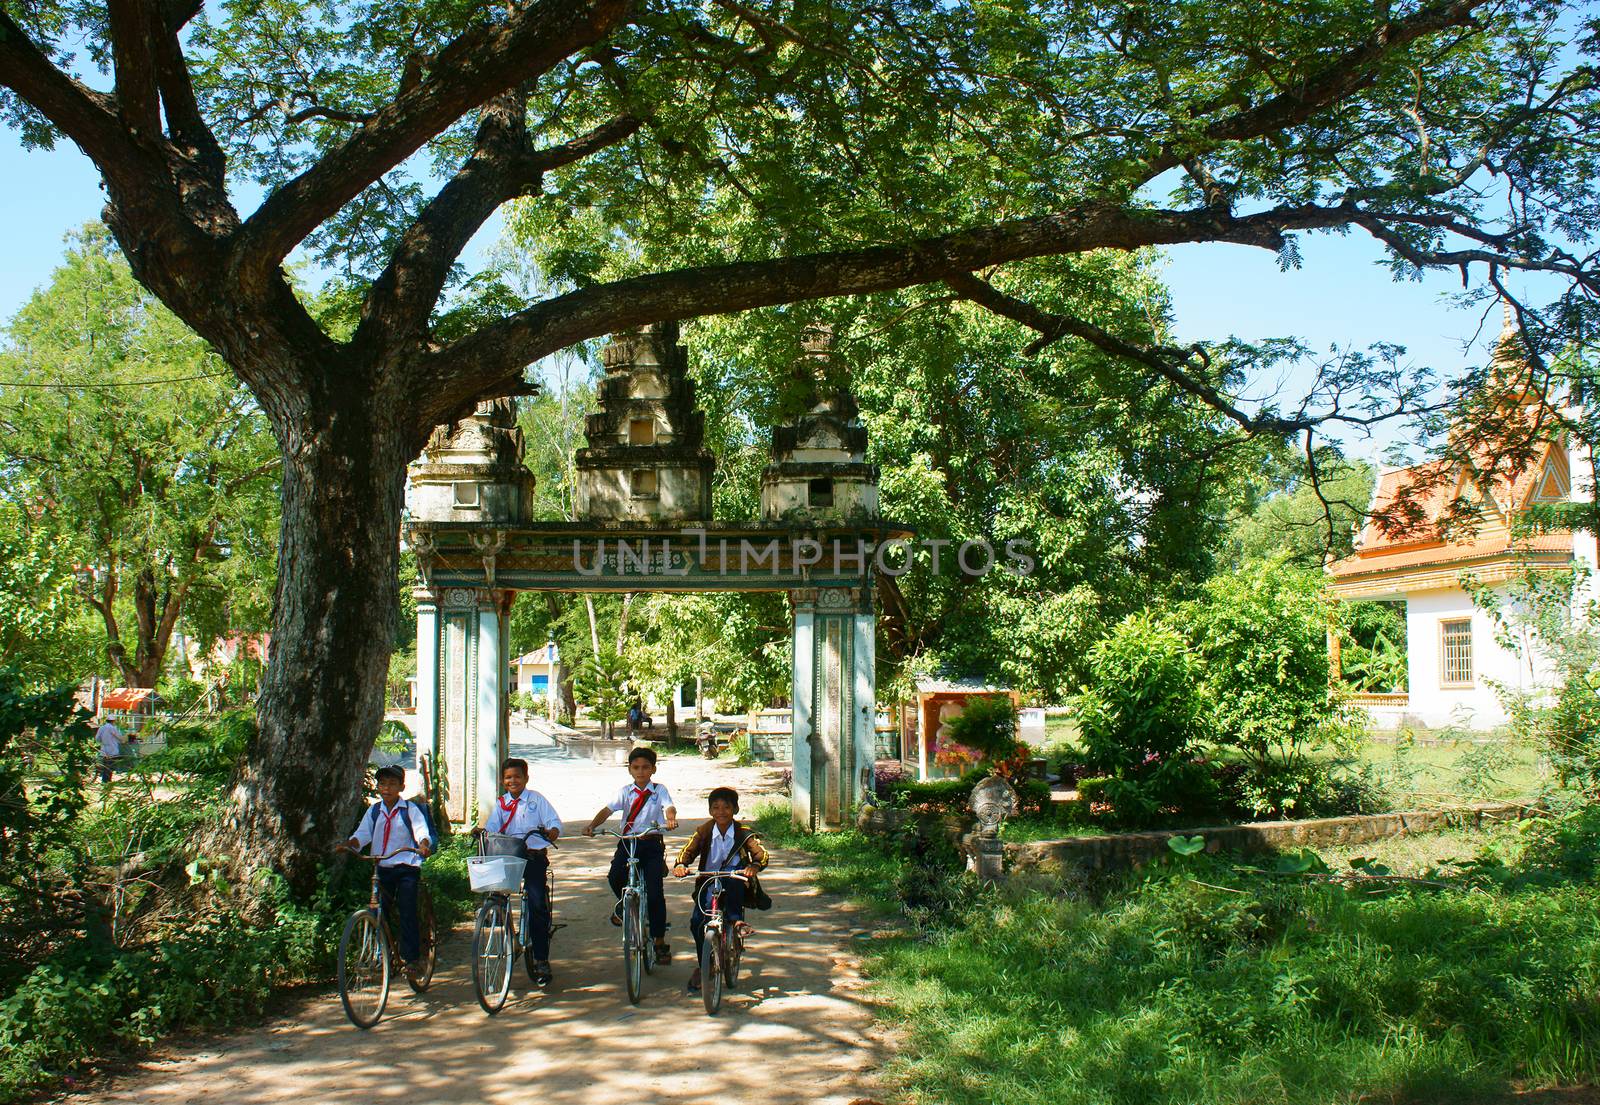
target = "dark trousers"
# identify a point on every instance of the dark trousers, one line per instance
(536, 917)
(400, 884)
(106, 763)
(732, 910)
(653, 865)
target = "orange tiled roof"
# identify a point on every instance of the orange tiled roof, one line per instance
(1445, 552)
(1406, 529)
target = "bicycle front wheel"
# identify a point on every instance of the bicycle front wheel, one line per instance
(492, 955)
(633, 949)
(730, 963)
(423, 975)
(363, 969)
(711, 970)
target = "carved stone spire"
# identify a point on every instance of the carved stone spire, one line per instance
(472, 471)
(645, 460)
(819, 468)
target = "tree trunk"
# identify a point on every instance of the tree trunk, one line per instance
(333, 627)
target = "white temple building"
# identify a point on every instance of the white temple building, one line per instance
(1454, 655)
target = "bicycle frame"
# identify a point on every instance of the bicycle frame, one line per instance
(635, 892)
(375, 895)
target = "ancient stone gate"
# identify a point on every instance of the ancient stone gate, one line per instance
(644, 496)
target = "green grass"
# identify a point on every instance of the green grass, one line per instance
(1421, 776)
(1199, 981)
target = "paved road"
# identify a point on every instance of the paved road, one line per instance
(795, 1031)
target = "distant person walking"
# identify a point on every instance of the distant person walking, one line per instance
(110, 738)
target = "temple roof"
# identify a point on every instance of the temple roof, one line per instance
(1462, 509)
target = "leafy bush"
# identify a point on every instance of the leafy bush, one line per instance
(209, 972)
(46, 752)
(987, 727)
(1560, 717)
(206, 751)
(1139, 721)
(600, 683)
(1260, 634)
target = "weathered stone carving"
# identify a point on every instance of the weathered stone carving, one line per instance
(646, 459)
(819, 470)
(472, 471)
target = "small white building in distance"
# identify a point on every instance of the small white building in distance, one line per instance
(534, 672)
(1452, 654)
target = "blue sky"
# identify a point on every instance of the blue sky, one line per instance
(1339, 297)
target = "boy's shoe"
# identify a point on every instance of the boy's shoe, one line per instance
(616, 914)
(694, 981)
(743, 930)
(409, 970)
(663, 953)
(541, 973)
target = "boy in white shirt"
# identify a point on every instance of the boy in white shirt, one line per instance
(389, 825)
(528, 814)
(643, 804)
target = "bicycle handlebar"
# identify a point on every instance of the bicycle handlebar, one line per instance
(377, 859)
(715, 875)
(653, 830)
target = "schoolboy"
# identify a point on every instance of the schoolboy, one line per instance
(519, 812)
(642, 803)
(721, 844)
(389, 825)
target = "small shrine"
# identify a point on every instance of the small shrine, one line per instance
(819, 469)
(472, 470)
(646, 459)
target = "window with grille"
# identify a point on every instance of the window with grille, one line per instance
(1456, 653)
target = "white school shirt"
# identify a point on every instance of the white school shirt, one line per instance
(407, 822)
(110, 739)
(531, 811)
(653, 812)
(721, 846)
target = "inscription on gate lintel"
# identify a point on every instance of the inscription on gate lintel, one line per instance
(710, 557)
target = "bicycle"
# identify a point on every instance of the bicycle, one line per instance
(638, 952)
(499, 934)
(368, 947)
(721, 947)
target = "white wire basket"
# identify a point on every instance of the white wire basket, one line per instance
(490, 874)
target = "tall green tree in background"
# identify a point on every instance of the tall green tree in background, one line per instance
(692, 159)
(45, 637)
(129, 449)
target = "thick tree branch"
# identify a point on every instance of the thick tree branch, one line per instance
(495, 355)
(133, 25)
(481, 64)
(83, 115)
(1181, 367)
(503, 165)
(1340, 78)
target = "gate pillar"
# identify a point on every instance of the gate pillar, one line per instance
(463, 705)
(834, 704)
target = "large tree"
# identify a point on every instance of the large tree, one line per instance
(874, 144)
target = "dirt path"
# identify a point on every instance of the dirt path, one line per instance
(795, 1029)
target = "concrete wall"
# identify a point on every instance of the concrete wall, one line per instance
(430, 500)
(786, 499)
(1126, 849)
(1477, 707)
